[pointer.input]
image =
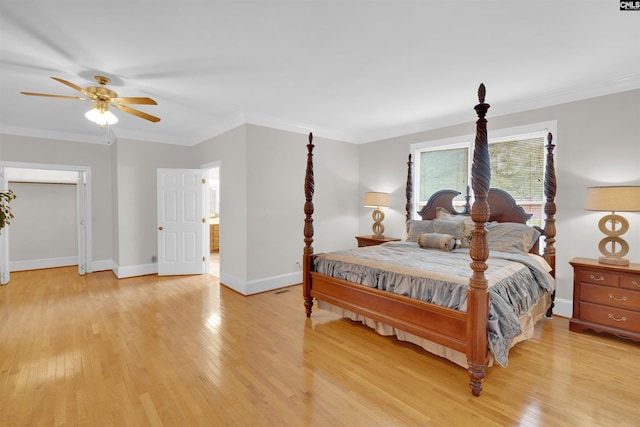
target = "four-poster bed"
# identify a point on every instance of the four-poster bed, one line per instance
(463, 326)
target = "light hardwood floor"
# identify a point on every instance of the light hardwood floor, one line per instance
(185, 351)
(214, 264)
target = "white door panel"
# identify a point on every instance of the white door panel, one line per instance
(181, 221)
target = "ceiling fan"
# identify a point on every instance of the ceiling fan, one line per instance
(103, 97)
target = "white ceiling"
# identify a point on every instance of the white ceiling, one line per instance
(355, 71)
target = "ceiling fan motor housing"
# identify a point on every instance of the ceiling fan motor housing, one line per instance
(100, 92)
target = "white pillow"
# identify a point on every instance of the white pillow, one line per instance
(468, 224)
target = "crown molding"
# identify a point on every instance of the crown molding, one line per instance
(48, 134)
(622, 84)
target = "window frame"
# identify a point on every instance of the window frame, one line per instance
(534, 130)
(416, 178)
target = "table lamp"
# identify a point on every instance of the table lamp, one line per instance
(377, 201)
(613, 199)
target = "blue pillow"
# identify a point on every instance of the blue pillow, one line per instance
(511, 237)
(415, 228)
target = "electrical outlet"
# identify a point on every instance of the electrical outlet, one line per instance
(154, 259)
(298, 266)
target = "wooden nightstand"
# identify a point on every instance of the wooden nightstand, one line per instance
(606, 298)
(371, 241)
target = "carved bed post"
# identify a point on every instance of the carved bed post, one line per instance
(549, 252)
(409, 190)
(307, 257)
(478, 297)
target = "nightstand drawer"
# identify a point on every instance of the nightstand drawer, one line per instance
(609, 316)
(630, 282)
(621, 298)
(368, 243)
(599, 277)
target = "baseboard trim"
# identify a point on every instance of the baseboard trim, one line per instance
(262, 285)
(37, 264)
(102, 265)
(134, 270)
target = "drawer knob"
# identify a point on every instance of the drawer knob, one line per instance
(621, 319)
(597, 279)
(615, 298)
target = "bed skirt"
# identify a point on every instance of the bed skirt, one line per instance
(527, 321)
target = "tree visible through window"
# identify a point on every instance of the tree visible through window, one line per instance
(443, 169)
(517, 166)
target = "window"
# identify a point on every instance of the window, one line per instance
(442, 168)
(517, 166)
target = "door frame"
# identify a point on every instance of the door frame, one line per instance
(83, 208)
(211, 165)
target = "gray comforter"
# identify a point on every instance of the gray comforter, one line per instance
(516, 281)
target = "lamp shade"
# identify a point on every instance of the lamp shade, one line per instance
(376, 200)
(613, 199)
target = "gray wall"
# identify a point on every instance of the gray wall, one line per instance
(45, 221)
(230, 149)
(275, 220)
(55, 152)
(262, 199)
(137, 164)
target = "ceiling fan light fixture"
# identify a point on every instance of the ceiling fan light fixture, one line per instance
(101, 116)
(103, 97)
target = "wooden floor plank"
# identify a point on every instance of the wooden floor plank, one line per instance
(148, 351)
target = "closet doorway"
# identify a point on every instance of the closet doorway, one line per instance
(54, 228)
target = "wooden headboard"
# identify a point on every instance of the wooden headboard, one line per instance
(503, 206)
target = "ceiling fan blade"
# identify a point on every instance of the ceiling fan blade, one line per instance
(54, 96)
(135, 100)
(71, 85)
(137, 113)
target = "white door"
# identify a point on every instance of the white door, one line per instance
(182, 223)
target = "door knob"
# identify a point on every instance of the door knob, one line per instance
(160, 228)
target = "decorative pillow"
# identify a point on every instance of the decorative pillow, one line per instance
(446, 242)
(454, 228)
(468, 224)
(442, 213)
(415, 227)
(511, 237)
